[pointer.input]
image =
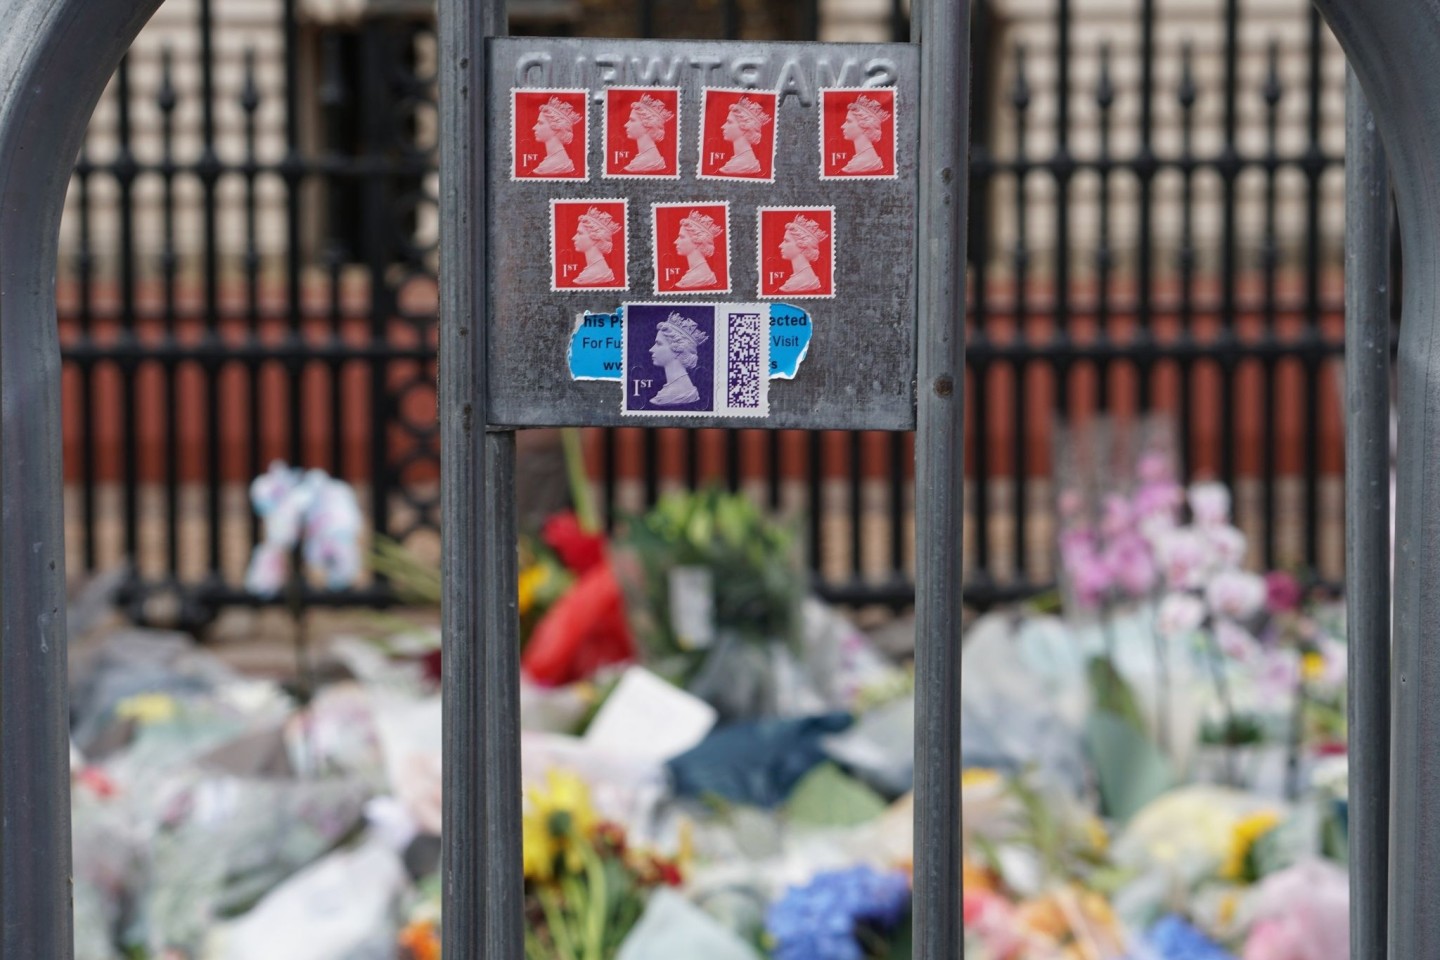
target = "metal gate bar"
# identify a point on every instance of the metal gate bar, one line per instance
(55, 58)
(1367, 519)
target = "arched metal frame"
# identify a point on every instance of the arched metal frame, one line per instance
(1392, 47)
(55, 59)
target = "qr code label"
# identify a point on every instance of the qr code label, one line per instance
(744, 376)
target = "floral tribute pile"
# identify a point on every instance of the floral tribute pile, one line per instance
(718, 767)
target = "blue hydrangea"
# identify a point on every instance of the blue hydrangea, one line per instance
(818, 921)
(1172, 938)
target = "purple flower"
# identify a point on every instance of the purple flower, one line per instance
(1282, 592)
(818, 921)
(1130, 563)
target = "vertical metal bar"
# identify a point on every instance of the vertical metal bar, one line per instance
(1269, 263)
(167, 99)
(651, 465)
(815, 465)
(1145, 167)
(377, 243)
(857, 506)
(1186, 94)
(250, 105)
(55, 57)
(1314, 166)
(1229, 167)
(209, 171)
(483, 916)
(1367, 520)
(85, 266)
(125, 172)
(1020, 396)
(942, 28)
(1104, 257)
(774, 465)
(292, 169)
(732, 460)
(333, 96)
(610, 478)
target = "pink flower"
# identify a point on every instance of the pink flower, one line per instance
(1235, 594)
(1210, 503)
(1179, 613)
(1130, 562)
(1117, 518)
(1092, 582)
(1302, 913)
(991, 919)
(1154, 467)
(1278, 676)
(1282, 592)
(1236, 642)
(1070, 503)
(1158, 500)
(1185, 558)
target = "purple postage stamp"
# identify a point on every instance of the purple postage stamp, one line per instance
(697, 359)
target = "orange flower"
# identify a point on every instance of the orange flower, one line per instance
(421, 941)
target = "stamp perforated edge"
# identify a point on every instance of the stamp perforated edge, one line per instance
(515, 133)
(625, 263)
(605, 173)
(894, 139)
(760, 255)
(700, 173)
(762, 412)
(655, 249)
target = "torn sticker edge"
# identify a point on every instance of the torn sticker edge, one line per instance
(804, 351)
(570, 346)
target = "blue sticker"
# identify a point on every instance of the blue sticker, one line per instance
(596, 349)
(789, 340)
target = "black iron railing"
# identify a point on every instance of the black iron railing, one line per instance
(240, 288)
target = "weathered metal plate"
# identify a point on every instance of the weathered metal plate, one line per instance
(860, 370)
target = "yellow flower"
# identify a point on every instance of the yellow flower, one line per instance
(978, 777)
(1095, 834)
(558, 822)
(1312, 666)
(146, 708)
(1242, 841)
(1229, 907)
(532, 578)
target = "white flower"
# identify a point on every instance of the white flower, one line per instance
(1179, 614)
(1235, 594)
(1227, 544)
(1210, 503)
(1185, 556)
(1236, 642)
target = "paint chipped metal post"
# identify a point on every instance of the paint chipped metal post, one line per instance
(690, 234)
(943, 32)
(55, 59)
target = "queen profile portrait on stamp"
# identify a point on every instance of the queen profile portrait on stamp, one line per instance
(857, 133)
(796, 251)
(587, 240)
(698, 235)
(738, 134)
(549, 135)
(677, 351)
(641, 130)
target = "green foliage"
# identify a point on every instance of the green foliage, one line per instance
(753, 561)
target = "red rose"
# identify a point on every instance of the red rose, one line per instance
(577, 548)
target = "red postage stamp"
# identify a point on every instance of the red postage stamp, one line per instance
(691, 247)
(642, 132)
(737, 134)
(549, 135)
(796, 251)
(587, 245)
(857, 133)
